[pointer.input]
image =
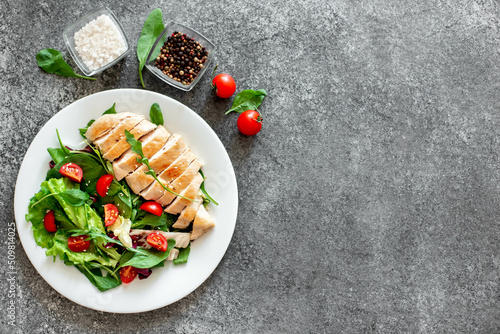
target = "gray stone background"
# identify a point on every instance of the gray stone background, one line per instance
(369, 202)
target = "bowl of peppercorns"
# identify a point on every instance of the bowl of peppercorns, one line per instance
(180, 56)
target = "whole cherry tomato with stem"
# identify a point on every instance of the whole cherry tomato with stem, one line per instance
(249, 122)
(223, 84)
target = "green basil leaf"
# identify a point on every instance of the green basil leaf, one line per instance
(155, 114)
(248, 99)
(153, 26)
(111, 110)
(74, 197)
(51, 61)
(183, 255)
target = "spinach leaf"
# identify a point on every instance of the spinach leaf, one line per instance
(150, 257)
(91, 168)
(74, 197)
(183, 255)
(150, 31)
(248, 99)
(94, 275)
(150, 220)
(51, 61)
(83, 131)
(111, 110)
(56, 154)
(155, 114)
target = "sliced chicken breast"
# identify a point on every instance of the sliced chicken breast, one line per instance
(190, 192)
(104, 124)
(155, 190)
(179, 184)
(202, 223)
(106, 142)
(188, 213)
(141, 129)
(138, 180)
(151, 143)
(140, 236)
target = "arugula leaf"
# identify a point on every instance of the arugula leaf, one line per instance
(150, 258)
(51, 61)
(136, 147)
(153, 26)
(202, 188)
(155, 114)
(111, 110)
(248, 99)
(183, 255)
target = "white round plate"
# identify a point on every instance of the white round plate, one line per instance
(168, 284)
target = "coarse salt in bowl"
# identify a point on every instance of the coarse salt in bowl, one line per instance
(96, 41)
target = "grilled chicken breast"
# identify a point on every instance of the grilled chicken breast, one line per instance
(175, 165)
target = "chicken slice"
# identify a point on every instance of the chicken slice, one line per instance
(141, 129)
(104, 124)
(138, 180)
(180, 183)
(187, 215)
(190, 192)
(106, 142)
(151, 143)
(155, 190)
(202, 223)
(140, 236)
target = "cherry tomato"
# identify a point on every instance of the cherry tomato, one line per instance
(78, 243)
(49, 222)
(110, 214)
(103, 184)
(152, 207)
(158, 241)
(128, 274)
(72, 171)
(249, 122)
(224, 85)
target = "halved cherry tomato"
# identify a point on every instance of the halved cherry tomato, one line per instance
(158, 241)
(72, 171)
(78, 243)
(49, 222)
(128, 274)
(152, 207)
(103, 184)
(110, 214)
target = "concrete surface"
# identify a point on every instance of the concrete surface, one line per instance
(370, 201)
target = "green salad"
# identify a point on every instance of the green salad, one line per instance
(88, 219)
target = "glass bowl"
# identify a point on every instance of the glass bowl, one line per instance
(155, 51)
(69, 40)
